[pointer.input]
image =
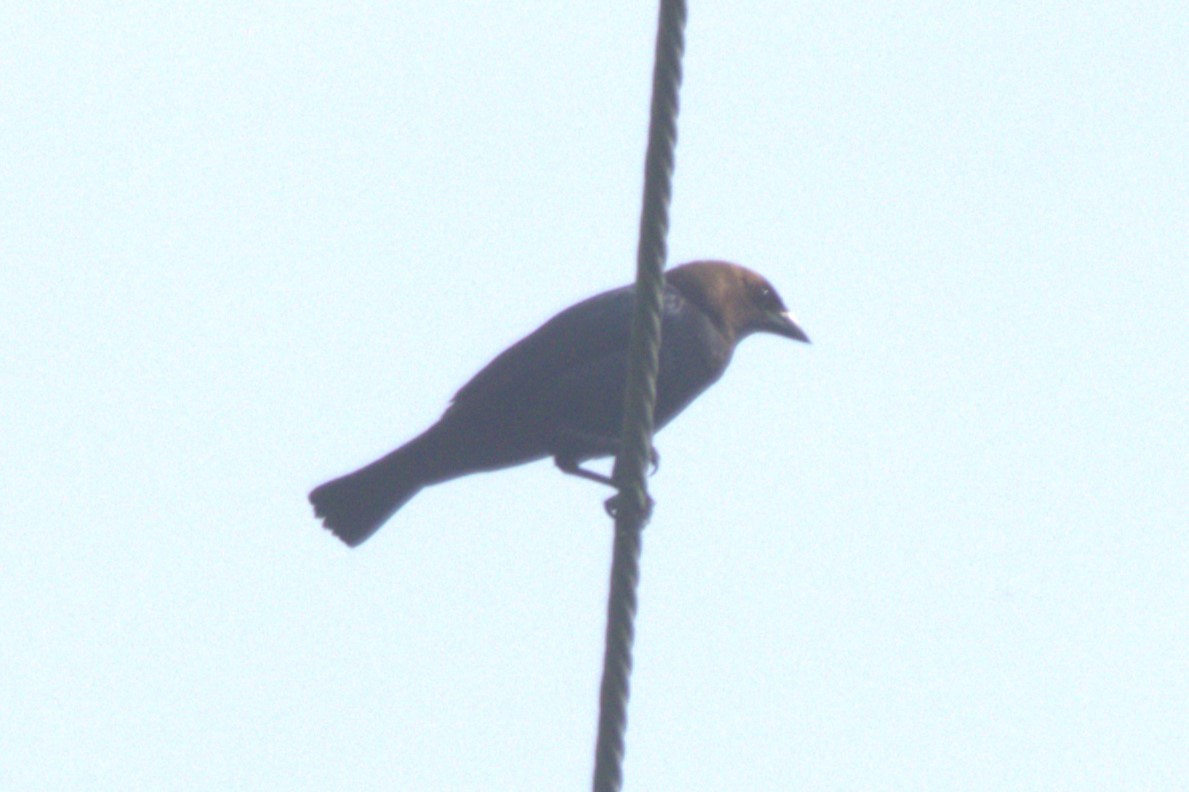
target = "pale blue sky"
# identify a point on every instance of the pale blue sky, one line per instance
(244, 250)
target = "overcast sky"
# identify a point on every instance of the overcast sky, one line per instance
(243, 250)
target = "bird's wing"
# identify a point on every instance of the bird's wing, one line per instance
(579, 336)
(583, 403)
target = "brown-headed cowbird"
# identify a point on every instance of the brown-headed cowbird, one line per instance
(559, 391)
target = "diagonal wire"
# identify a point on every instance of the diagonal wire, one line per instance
(632, 505)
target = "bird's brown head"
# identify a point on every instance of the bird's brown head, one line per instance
(738, 300)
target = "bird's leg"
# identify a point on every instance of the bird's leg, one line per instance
(568, 464)
(569, 445)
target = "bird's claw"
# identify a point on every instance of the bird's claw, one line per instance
(611, 505)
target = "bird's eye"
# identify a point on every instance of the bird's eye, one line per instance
(766, 298)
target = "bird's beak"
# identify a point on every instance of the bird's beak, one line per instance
(782, 323)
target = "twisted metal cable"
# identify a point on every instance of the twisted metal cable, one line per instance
(632, 505)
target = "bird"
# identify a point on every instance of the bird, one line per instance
(559, 391)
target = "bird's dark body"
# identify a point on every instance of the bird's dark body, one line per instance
(557, 393)
(560, 390)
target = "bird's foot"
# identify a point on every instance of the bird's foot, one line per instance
(613, 504)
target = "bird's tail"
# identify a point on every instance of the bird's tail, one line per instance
(354, 506)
